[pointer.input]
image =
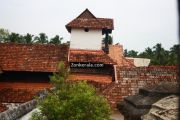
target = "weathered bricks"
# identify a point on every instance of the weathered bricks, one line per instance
(131, 79)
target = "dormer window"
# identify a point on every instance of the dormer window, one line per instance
(86, 29)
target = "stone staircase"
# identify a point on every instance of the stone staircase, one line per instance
(133, 107)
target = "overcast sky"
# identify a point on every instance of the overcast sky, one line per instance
(138, 23)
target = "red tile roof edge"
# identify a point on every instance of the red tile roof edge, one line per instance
(90, 21)
(74, 57)
(32, 57)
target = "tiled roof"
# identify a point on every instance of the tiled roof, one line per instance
(88, 20)
(94, 56)
(107, 22)
(31, 57)
(86, 15)
(127, 62)
(116, 53)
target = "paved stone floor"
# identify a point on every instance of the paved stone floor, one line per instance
(116, 115)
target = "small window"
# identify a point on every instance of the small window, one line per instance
(86, 30)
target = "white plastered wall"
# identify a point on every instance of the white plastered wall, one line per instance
(140, 62)
(86, 40)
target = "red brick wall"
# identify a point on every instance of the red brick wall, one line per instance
(91, 77)
(131, 79)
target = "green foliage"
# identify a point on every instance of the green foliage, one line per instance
(58, 79)
(38, 116)
(56, 40)
(148, 53)
(109, 40)
(158, 55)
(15, 38)
(73, 100)
(28, 38)
(41, 39)
(130, 53)
(174, 55)
(125, 53)
(3, 34)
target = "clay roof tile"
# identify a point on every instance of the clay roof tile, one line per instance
(31, 57)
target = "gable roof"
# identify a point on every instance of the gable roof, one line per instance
(31, 57)
(94, 56)
(87, 20)
(86, 15)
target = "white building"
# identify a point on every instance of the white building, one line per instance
(87, 31)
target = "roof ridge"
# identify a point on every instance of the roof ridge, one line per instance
(87, 20)
(90, 56)
(86, 11)
(94, 17)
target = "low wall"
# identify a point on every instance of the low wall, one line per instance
(131, 79)
(13, 114)
(22, 109)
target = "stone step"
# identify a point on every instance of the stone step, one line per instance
(144, 91)
(142, 102)
(159, 91)
(131, 112)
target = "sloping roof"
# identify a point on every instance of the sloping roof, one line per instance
(127, 62)
(86, 15)
(94, 56)
(31, 57)
(87, 20)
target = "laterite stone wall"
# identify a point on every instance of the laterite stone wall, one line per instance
(131, 79)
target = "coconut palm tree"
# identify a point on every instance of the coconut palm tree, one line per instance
(41, 39)
(174, 55)
(28, 38)
(109, 40)
(56, 40)
(160, 55)
(15, 38)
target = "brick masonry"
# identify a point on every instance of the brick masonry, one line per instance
(130, 79)
(90, 77)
